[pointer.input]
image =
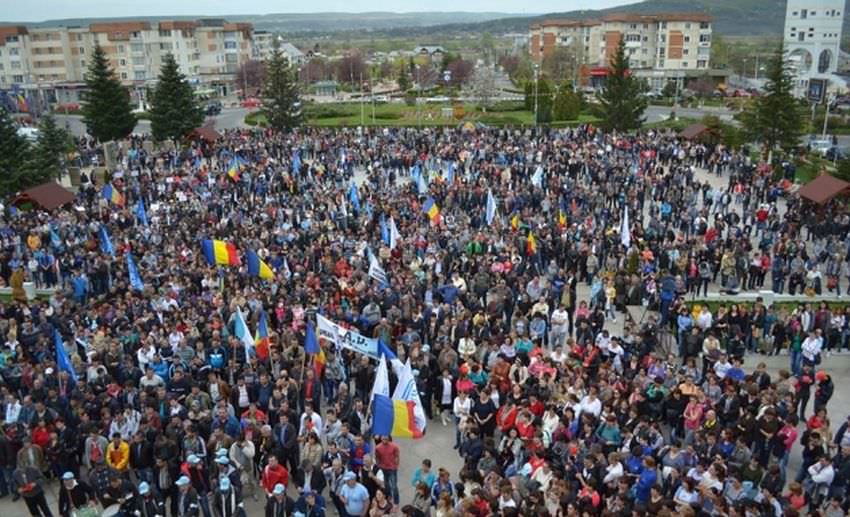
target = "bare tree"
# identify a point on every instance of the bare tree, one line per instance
(482, 86)
(252, 74)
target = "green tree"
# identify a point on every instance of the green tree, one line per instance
(843, 170)
(567, 103)
(403, 80)
(106, 103)
(544, 99)
(283, 103)
(53, 144)
(174, 111)
(14, 156)
(775, 118)
(622, 100)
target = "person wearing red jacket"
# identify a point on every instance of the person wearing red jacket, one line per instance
(506, 416)
(273, 474)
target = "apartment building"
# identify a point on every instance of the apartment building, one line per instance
(812, 39)
(48, 65)
(660, 47)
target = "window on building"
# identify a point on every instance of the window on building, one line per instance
(82, 51)
(139, 76)
(687, 25)
(11, 39)
(684, 64)
(633, 26)
(120, 49)
(704, 25)
(631, 38)
(684, 52)
(232, 44)
(13, 52)
(124, 75)
(1, 66)
(165, 33)
(663, 38)
(138, 61)
(82, 62)
(122, 62)
(812, 13)
(687, 39)
(804, 13)
(705, 38)
(660, 63)
(662, 51)
(165, 46)
(701, 63)
(16, 65)
(801, 36)
(17, 78)
(663, 25)
(134, 34)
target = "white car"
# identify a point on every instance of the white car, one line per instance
(30, 133)
(820, 146)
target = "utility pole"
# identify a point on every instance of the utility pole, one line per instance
(362, 116)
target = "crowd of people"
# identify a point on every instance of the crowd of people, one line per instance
(130, 385)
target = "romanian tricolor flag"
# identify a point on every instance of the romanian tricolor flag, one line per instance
(531, 244)
(261, 337)
(220, 252)
(256, 266)
(430, 207)
(562, 219)
(391, 417)
(319, 361)
(112, 195)
(515, 222)
(234, 167)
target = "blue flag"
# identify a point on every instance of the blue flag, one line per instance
(105, 242)
(385, 231)
(311, 344)
(141, 215)
(55, 241)
(296, 161)
(354, 196)
(135, 280)
(62, 360)
(450, 175)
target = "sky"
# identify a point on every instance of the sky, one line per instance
(40, 10)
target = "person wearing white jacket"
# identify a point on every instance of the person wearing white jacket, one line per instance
(821, 474)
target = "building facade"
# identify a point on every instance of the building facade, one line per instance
(812, 40)
(48, 65)
(660, 47)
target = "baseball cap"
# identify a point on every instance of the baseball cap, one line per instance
(183, 481)
(224, 484)
(68, 475)
(144, 488)
(279, 489)
(222, 460)
(194, 460)
(348, 476)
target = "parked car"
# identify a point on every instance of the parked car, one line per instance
(213, 108)
(820, 146)
(251, 102)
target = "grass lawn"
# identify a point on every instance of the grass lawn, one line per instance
(394, 114)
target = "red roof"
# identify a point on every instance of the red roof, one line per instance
(48, 196)
(823, 188)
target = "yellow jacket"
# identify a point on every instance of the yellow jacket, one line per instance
(118, 457)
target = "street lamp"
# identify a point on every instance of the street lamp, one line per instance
(536, 70)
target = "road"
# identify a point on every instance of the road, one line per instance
(229, 118)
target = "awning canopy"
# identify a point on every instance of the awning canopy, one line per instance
(48, 196)
(207, 133)
(823, 188)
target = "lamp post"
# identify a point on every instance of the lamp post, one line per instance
(536, 71)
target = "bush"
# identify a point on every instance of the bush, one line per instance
(319, 111)
(256, 118)
(506, 106)
(501, 120)
(389, 115)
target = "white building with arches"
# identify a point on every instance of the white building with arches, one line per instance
(812, 37)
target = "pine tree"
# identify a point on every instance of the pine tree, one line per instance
(621, 102)
(280, 92)
(775, 118)
(174, 111)
(403, 80)
(14, 155)
(567, 103)
(106, 103)
(53, 144)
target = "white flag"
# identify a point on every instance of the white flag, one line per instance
(382, 379)
(406, 390)
(394, 235)
(537, 178)
(376, 272)
(625, 231)
(491, 207)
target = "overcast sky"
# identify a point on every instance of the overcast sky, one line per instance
(39, 10)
